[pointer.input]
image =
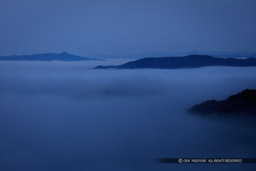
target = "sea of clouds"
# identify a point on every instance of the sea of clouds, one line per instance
(61, 116)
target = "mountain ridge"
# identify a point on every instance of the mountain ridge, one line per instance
(190, 61)
(64, 56)
(241, 103)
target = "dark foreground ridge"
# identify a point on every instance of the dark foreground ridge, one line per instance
(241, 103)
(190, 61)
(45, 57)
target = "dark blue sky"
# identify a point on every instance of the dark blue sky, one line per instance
(126, 27)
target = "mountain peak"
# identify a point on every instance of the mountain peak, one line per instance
(190, 61)
(64, 56)
(64, 53)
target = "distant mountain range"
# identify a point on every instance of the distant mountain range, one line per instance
(190, 61)
(45, 57)
(241, 103)
(219, 54)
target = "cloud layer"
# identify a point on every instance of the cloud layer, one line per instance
(68, 117)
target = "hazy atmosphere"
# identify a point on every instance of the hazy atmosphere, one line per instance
(120, 28)
(65, 116)
(75, 94)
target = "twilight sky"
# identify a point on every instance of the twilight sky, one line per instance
(126, 27)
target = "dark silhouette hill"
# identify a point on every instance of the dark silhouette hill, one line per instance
(190, 61)
(241, 103)
(45, 57)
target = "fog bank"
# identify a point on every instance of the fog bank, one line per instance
(65, 116)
